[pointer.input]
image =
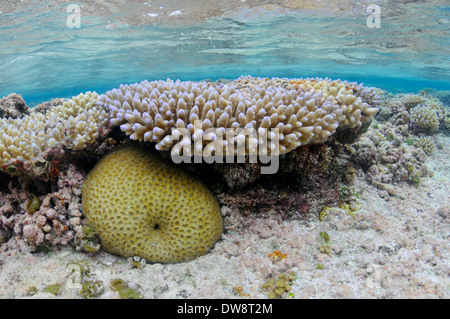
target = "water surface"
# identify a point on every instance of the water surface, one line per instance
(122, 41)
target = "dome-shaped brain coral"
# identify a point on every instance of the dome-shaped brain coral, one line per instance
(142, 206)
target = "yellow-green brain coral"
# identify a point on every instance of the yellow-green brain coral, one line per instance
(142, 206)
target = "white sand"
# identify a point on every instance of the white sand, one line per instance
(390, 249)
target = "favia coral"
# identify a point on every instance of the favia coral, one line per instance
(141, 206)
(161, 111)
(424, 118)
(74, 123)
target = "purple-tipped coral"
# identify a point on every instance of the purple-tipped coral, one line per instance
(160, 111)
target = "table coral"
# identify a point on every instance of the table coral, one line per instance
(160, 111)
(142, 206)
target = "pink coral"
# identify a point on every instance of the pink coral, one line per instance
(57, 220)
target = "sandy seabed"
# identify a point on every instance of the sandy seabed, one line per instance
(395, 248)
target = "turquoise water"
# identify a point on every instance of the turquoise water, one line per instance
(121, 42)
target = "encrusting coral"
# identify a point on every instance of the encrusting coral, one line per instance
(141, 206)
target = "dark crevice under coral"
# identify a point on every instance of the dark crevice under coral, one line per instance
(300, 188)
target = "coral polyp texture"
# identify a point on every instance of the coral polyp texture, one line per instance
(13, 106)
(75, 123)
(424, 118)
(308, 112)
(426, 143)
(142, 206)
(412, 100)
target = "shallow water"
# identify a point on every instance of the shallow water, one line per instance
(41, 57)
(387, 238)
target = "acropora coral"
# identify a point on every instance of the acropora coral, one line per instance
(426, 143)
(412, 100)
(75, 123)
(162, 111)
(424, 118)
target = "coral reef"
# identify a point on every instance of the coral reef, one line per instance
(66, 137)
(13, 106)
(142, 206)
(329, 133)
(424, 118)
(312, 218)
(73, 124)
(164, 111)
(426, 143)
(412, 100)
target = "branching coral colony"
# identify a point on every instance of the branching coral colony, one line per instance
(305, 111)
(46, 152)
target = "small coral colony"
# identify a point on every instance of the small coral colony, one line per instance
(55, 159)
